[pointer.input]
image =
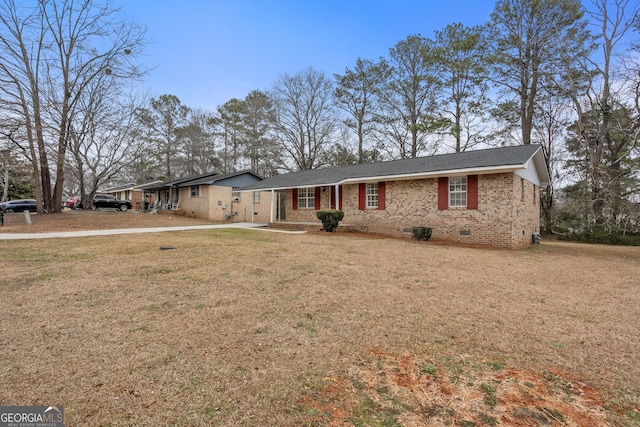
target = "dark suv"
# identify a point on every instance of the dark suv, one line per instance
(107, 201)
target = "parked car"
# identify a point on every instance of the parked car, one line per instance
(19, 205)
(73, 203)
(108, 201)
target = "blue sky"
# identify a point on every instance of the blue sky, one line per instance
(208, 51)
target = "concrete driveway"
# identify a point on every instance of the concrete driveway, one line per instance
(65, 234)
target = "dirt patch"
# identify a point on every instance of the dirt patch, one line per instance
(384, 389)
(244, 327)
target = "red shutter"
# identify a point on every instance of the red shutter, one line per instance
(316, 193)
(472, 192)
(294, 196)
(362, 196)
(342, 197)
(381, 195)
(443, 193)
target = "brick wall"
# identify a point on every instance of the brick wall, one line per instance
(215, 204)
(508, 211)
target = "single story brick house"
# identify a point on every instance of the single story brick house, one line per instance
(488, 197)
(211, 196)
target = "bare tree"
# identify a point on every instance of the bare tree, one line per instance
(607, 130)
(305, 121)
(5, 169)
(103, 135)
(549, 130)
(54, 50)
(22, 44)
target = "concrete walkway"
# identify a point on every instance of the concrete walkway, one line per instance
(65, 234)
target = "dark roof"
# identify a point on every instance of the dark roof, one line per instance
(176, 182)
(489, 160)
(210, 180)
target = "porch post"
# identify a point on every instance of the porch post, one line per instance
(272, 203)
(337, 196)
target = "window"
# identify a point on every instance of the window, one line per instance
(194, 191)
(372, 195)
(235, 195)
(256, 197)
(458, 192)
(307, 198)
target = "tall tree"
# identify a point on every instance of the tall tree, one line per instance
(230, 129)
(198, 143)
(408, 101)
(357, 93)
(258, 116)
(528, 41)
(305, 121)
(163, 117)
(459, 55)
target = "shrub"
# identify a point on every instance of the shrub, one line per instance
(421, 233)
(330, 218)
(601, 236)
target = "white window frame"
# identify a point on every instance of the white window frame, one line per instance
(372, 195)
(307, 198)
(458, 192)
(256, 197)
(197, 192)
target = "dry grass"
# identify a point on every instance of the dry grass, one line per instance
(71, 220)
(242, 327)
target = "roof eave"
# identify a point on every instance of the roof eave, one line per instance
(433, 174)
(404, 177)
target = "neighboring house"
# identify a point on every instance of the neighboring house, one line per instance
(166, 196)
(489, 197)
(213, 197)
(134, 193)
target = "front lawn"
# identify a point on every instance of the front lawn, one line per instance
(253, 328)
